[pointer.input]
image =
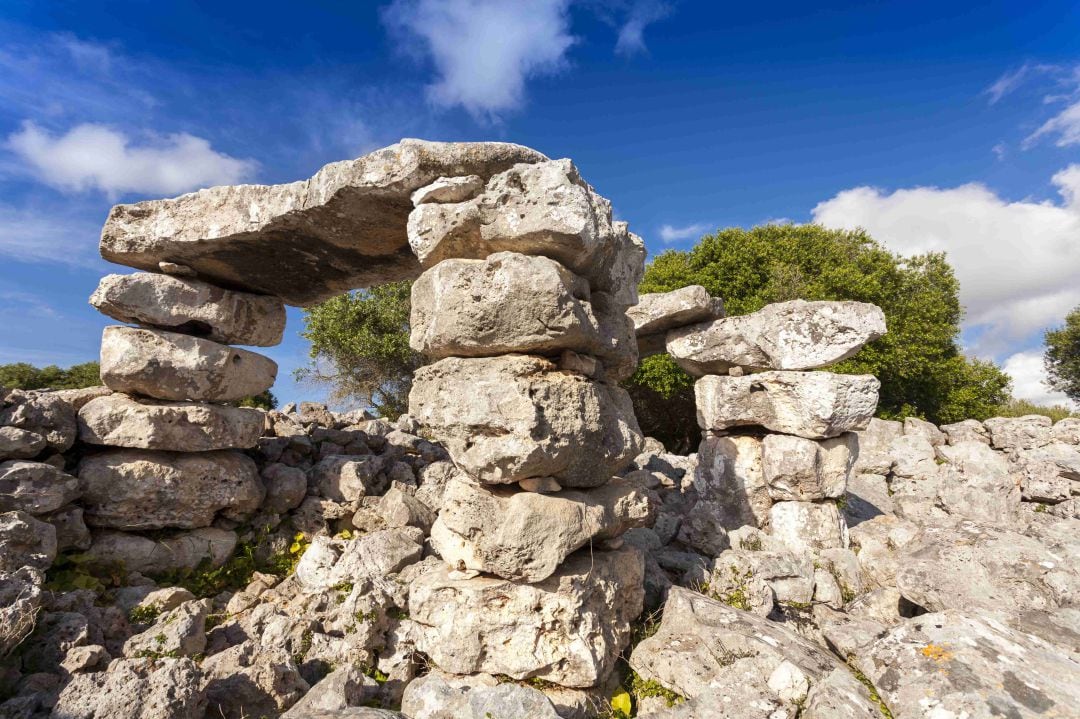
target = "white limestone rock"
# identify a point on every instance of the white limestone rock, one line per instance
(35, 487)
(119, 420)
(172, 366)
(346, 477)
(730, 473)
(180, 552)
(808, 526)
(568, 629)
(658, 312)
(814, 405)
(441, 696)
(191, 307)
(46, 414)
(328, 562)
(135, 689)
(25, 542)
(969, 430)
(796, 468)
(795, 335)
(1066, 431)
(20, 601)
(146, 489)
(504, 419)
(524, 536)
(545, 209)
(180, 631)
(18, 443)
(1025, 432)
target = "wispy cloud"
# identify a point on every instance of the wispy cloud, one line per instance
(485, 50)
(670, 233)
(641, 14)
(37, 234)
(1060, 85)
(96, 157)
(1065, 126)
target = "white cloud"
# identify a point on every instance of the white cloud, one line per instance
(1065, 125)
(97, 157)
(1029, 379)
(1008, 82)
(40, 235)
(671, 234)
(485, 50)
(631, 33)
(1017, 262)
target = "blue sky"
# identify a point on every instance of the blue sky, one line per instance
(944, 126)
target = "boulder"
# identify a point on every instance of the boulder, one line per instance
(35, 487)
(567, 629)
(171, 366)
(808, 526)
(875, 443)
(524, 536)
(1066, 431)
(730, 474)
(328, 562)
(18, 443)
(815, 405)
(191, 307)
(959, 664)
(975, 482)
(42, 413)
(180, 552)
(970, 430)
(250, 680)
(25, 542)
(344, 228)
(449, 189)
(795, 335)
(658, 312)
(347, 478)
(1025, 432)
(788, 577)
(135, 689)
(286, 487)
(504, 419)
(915, 427)
(796, 468)
(705, 649)
(344, 687)
(970, 567)
(122, 421)
(177, 632)
(544, 209)
(146, 489)
(440, 696)
(20, 601)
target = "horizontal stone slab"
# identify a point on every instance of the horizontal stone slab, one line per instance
(815, 405)
(191, 307)
(304, 241)
(35, 487)
(505, 419)
(795, 335)
(661, 311)
(567, 629)
(18, 443)
(181, 551)
(145, 489)
(526, 535)
(172, 366)
(123, 421)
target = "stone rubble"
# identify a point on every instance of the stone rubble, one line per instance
(513, 547)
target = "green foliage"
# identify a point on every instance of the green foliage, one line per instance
(1062, 356)
(919, 364)
(144, 615)
(874, 696)
(1021, 407)
(360, 347)
(21, 375)
(74, 570)
(266, 400)
(235, 574)
(640, 688)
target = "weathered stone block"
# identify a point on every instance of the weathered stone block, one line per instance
(658, 312)
(797, 468)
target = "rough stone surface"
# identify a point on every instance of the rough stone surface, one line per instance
(545, 209)
(875, 444)
(145, 489)
(730, 474)
(135, 689)
(35, 487)
(449, 189)
(1066, 431)
(704, 646)
(955, 664)
(347, 478)
(808, 526)
(25, 542)
(658, 312)
(796, 468)
(815, 405)
(1025, 432)
(504, 419)
(20, 600)
(191, 307)
(329, 562)
(18, 443)
(43, 413)
(970, 430)
(342, 229)
(172, 366)
(795, 335)
(122, 421)
(176, 632)
(439, 696)
(248, 680)
(525, 535)
(183, 551)
(568, 629)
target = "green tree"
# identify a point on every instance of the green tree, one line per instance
(265, 400)
(1062, 356)
(919, 363)
(21, 375)
(360, 347)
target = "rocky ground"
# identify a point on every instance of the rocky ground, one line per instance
(943, 582)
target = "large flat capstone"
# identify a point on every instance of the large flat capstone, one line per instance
(304, 241)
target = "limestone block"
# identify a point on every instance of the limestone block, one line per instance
(304, 241)
(18, 443)
(504, 419)
(119, 420)
(969, 430)
(35, 487)
(730, 473)
(191, 307)
(1066, 431)
(1025, 432)
(658, 312)
(808, 526)
(526, 535)
(25, 542)
(797, 468)
(567, 629)
(135, 689)
(815, 405)
(171, 366)
(176, 632)
(795, 335)
(182, 551)
(146, 489)
(44, 413)
(449, 189)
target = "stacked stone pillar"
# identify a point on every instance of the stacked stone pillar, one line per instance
(169, 439)
(522, 309)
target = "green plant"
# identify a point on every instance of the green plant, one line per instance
(235, 574)
(21, 375)
(144, 615)
(74, 570)
(1022, 407)
(640, 688)
(874, 695)
(1062, 358)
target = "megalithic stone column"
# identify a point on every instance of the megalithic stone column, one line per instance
(166, 421)
(522, 307)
